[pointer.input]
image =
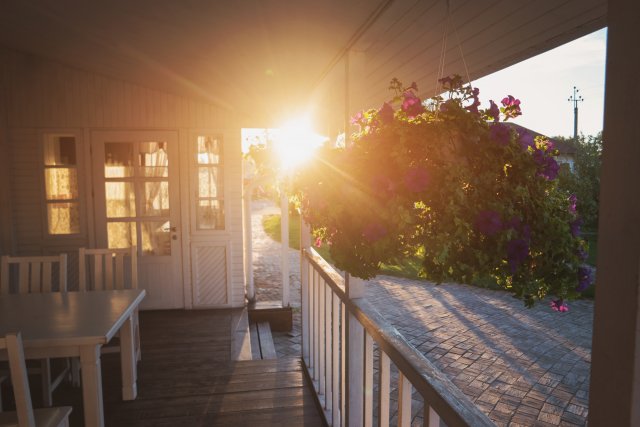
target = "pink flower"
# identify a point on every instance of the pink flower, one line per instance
(559, 305)
(416, 179)
(511, 107)
(412, 105)
(318, 242)
(357, 119)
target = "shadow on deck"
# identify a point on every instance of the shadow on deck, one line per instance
(186, 378)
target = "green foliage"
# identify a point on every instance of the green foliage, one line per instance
(584, 182)
(447, 180)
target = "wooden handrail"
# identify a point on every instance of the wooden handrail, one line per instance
(453, 406)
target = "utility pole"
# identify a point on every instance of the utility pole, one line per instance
(575, 98)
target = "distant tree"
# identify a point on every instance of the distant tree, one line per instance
(584, 182)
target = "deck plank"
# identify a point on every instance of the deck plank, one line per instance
(186, 378)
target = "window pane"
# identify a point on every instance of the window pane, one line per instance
(152, 159)
(156, 238)
(210, 215)
(60, 150)
(118, 159)
(63, 218)
(121, 234)
(209, 150)
(210, 182)
(120, 199)
(156, 199)
(61, 183)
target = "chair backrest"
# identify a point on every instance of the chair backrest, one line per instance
(107, 269)
(35, 274)
(24, 407)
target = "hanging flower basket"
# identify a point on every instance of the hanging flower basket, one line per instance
(452, 182)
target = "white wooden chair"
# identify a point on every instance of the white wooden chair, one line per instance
(36, 275)
(106, 269)
(25, 416)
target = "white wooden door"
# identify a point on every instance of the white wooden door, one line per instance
(136, 202)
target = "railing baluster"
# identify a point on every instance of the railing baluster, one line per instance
(312, 323)
(336, 383)
(368, 380)
(328, 303)
(343, 370)
(316, 329)
(384, 388)
(404, 401)
(305, 240)
(431, 417)
(321, 340)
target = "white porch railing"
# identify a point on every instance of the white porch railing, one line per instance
(339, 329)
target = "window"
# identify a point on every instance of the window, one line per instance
(209, 183)
(61, 184)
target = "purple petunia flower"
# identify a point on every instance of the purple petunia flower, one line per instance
(575, 226)
(488, 222)
(525, 139)
(559, 305)
(374, 231)
(500, 133)
(517, 252)
(493, 111)
(473, 108)
(416, 179)
(386, 113)
(585, 277)
(573, 200)
(582, 254)
(412, 105)
(549, 168)
(511, 107)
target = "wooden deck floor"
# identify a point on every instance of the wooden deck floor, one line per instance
(186, 378)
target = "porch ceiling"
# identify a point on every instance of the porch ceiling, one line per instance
(267, 58)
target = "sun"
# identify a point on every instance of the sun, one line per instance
(295, 143)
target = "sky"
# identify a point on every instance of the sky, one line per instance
(544, 84)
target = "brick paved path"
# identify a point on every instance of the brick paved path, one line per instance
(520, 366)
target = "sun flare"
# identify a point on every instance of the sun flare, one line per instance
(295, 143)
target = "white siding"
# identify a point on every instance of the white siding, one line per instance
(41, 95)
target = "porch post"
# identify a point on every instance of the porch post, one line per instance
(305, 244)
(284, 238)
(354, 349)
(248, 243)
(6, 229)
(615, 369)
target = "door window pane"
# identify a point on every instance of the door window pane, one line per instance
(153, 160)
(156, 199)
(63, 218)
(210, 215)
(121, 234)
(61, 183)
(118, 159)
(210, 182)
(156, 238)
(209, 150)
(120, 199)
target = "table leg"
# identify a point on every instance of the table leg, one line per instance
(128, 361)
(92, 386)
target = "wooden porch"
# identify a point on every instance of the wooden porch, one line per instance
(187, 378)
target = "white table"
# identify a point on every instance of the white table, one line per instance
(77, 324)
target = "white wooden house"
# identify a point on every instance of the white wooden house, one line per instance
(120, 124)
(95, 161)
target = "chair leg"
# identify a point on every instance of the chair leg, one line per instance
(45, 374)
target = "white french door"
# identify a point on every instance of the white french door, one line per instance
(137, 203)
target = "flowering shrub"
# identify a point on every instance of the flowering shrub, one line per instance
(453, 182)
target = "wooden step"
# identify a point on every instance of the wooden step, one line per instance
(262, 346)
